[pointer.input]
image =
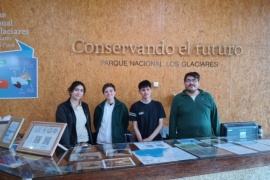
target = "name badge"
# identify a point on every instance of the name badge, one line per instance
(141, 113)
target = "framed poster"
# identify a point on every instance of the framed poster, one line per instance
(42, 138)
(10, 132)
(19, 73)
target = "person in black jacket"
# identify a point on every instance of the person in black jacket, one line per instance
(76, 114)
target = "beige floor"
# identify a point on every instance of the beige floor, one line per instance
(260, 173)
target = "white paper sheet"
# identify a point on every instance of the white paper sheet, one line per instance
(235, 148)
(264, 141)
(254, 145)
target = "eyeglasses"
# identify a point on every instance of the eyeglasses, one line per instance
(191, 80)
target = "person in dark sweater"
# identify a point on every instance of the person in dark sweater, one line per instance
(193, 112)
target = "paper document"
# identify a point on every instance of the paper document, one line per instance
(264, 141)
(235, 148)
(161, 155)
(254, 145)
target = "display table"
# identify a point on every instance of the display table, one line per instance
(161, 160)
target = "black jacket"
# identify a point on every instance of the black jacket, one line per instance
(65, 114)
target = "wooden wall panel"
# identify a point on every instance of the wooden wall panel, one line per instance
(240, 84)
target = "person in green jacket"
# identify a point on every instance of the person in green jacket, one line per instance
(111, 118)
(193, 112)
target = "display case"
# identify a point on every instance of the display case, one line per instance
(149, 160)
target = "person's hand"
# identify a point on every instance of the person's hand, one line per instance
(147, 139)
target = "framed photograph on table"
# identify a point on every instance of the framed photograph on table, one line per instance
(10, 132)
(42, 138)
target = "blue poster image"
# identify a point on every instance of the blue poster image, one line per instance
(18, 73)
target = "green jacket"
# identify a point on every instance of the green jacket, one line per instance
(191, 119)
(120, 120)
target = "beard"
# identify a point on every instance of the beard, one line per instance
(191, 90)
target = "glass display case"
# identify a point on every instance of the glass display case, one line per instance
(158, 159)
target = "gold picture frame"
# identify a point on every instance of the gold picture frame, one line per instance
(10, 132)
(42, 138)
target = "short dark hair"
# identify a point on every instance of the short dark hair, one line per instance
(108, 85)
(74, 85)
(193, 74)
(144, 84)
